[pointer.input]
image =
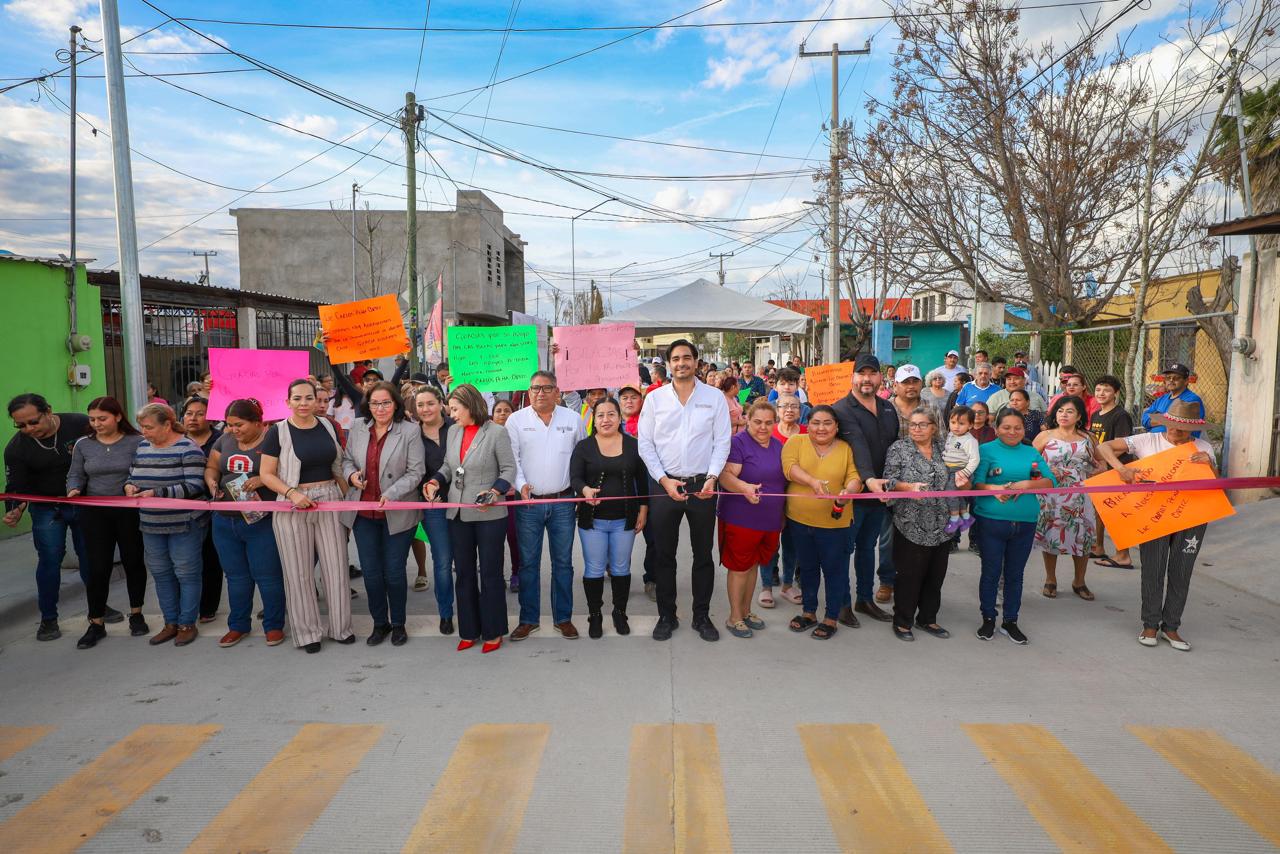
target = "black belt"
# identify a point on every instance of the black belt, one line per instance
(564, 493)
(692, 478)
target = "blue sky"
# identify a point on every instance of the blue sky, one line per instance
(718, 87)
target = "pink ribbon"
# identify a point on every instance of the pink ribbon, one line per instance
(347, 506)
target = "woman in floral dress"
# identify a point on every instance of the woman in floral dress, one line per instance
(1066, 525)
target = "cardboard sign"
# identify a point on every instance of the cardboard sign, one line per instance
(493, 358)
(263, 375)
(1139, 517)
(601, 355)
(828, 383)
(366, 329)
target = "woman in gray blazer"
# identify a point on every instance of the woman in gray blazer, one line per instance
(478, 469)
(383, 461)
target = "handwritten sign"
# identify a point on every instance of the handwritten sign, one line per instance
(366, 329)
(263, 375)
(493, 358)
(1139, 517)
(602, 355)
(828, 383)
(519, 318)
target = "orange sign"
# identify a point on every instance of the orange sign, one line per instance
(828, 383)
(1139, 517)
(366, 329)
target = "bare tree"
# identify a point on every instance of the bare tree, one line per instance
(1017, 170)
(373, 248)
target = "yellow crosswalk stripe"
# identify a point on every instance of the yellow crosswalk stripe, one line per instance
(1241, 783)
(1076, 809)
(15, 739)
(478, 803)
(274, 811)
(675, 792)
(77, 808)
(871, 802)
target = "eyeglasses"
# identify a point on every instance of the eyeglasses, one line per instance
(919, 425)
(789, 406)
(18, 425)
(541, 389)
(381, 404)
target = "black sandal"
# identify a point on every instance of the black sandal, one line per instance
(823, 631)
(801, 622)
(1112, 562)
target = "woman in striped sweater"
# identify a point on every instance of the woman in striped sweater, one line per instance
(169, 465)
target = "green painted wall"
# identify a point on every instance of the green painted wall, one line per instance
(929, 343)
(34, 315)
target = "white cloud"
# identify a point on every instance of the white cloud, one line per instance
(54, 16)
(712, 202)
(319, 125)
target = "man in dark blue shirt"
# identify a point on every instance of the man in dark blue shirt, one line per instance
(1176, 376)
(752, 384)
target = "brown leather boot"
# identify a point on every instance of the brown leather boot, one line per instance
(168, 633)
(186, 634)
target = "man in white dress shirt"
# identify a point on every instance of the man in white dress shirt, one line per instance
(543, 436)
(684, 435)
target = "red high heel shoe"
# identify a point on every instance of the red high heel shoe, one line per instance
(465, 644)
(491, 646)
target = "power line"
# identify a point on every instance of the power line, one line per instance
(422, 46)
(697, 25)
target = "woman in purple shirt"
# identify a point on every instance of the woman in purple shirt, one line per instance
(750, 524)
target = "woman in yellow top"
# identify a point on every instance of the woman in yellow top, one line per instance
(819, 463)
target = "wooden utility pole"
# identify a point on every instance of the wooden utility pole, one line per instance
(721, 256)
(413, 113)
(834, 189)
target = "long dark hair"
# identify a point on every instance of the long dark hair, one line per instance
(111, 406)
(397, 401)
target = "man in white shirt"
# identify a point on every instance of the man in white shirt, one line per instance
(950, 368)
(543, 436)
(684, 435)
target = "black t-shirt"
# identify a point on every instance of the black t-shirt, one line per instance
(1116, 424)
(235, 461)
(314, 448)
(39, 466)
(433, 452)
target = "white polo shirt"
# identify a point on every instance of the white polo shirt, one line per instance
(682, 440)
(542, 451)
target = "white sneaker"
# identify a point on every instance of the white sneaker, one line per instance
(1148, 641)
(1180, 645)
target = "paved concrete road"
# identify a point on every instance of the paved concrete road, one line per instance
(1083, 740)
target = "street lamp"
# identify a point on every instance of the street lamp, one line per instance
(614, 273)
(573, 250)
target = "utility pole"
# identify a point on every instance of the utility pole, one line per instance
(135, 365)
(206, 256)
(413, 114)
(721, 256)
(355, 188)
(834, 185)
(1244, 342)
(73, 325)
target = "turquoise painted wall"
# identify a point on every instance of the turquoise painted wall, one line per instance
(929, 343)
(34, 314)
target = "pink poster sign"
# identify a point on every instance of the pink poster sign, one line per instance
(601, 355)
(263, 375)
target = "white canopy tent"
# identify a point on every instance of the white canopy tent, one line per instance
(704, 306)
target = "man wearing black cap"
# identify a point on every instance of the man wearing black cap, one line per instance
(1175, 388)
(870, 425)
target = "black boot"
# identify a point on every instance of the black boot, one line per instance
(594, 590)
(621, 592)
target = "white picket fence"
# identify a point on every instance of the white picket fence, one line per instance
(1049, 382)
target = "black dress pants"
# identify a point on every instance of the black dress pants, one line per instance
(921, 571)
(480, 590)
(211, 577)
(665, 516)
(103, 529)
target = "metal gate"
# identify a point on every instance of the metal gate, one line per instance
(176, 339)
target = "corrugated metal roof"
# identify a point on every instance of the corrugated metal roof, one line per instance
(162, 283)
(1264, 223)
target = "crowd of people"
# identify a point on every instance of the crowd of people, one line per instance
(762, 479)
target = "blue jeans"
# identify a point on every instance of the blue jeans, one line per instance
(863, 535)
(558, 520)
(607, 544)
(1005, 549)
(176, 565)
(887, 571)
(383, 556)
(436, 524)
(49, 524)
(249, 558)
(787, 554)
(822, 552)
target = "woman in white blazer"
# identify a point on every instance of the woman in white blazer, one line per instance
(479, 467)
(383, 461)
